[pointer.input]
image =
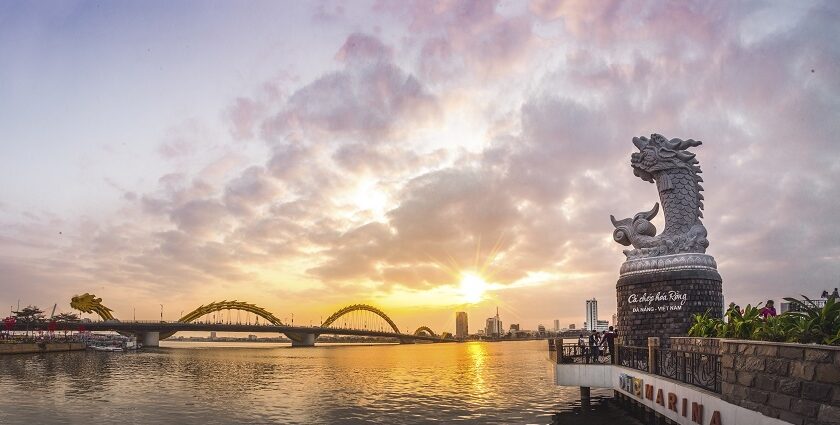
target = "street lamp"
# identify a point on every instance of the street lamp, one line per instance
(161, 312)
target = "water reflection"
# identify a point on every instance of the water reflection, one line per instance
(265, 383)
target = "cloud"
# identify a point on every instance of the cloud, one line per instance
(370, 98)
(532, 199)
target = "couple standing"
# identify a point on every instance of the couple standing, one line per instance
(593, 345)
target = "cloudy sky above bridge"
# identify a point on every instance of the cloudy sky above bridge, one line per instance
(304, 156)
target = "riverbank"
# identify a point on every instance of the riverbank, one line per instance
(40, 347)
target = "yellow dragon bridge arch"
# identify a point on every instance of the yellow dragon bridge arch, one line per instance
(360, 307)
(230, 305)
(89, 303)
(424, 329)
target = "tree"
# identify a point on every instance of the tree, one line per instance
(67, 317)
(29, 315)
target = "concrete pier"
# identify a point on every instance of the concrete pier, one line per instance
(150, 339)
(302, 340)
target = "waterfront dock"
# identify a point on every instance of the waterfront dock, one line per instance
(40, 347)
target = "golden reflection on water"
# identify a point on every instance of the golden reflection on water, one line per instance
(266, 383)
(477, 353)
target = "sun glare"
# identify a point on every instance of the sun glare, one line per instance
(472, 287)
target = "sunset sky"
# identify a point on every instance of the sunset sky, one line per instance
(308, 155)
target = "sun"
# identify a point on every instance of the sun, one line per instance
(472, 287)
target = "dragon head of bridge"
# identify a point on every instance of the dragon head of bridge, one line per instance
(89, 303)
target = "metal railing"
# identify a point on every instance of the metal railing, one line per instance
(633, 357)
(576, 354)
(698, 369)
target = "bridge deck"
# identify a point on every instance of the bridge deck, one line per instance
(151, 326)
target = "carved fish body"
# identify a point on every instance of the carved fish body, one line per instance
(676, 174)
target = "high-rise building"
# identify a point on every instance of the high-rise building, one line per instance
(571, 325)
(514, 327)
(462, 327)
(541, 329)
(556, 325)
(494, 325)
(602, 325)
(591, 314)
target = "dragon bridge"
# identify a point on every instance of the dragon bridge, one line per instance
(360, 307)
(424, 329)
(89, 303)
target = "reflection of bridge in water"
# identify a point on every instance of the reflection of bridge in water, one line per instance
(356, 319)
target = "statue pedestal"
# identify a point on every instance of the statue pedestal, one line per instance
(658, 296)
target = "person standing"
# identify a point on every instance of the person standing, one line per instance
(582, 345)
(609, 340)
(593, 346)
(768, 310)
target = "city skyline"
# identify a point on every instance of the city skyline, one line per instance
(422, 157)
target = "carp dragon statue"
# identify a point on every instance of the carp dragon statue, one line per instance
(676, 172)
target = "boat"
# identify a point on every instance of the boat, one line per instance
(109, 348)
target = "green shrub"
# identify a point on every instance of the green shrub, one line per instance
(808, 324)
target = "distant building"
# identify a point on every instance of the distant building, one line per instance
(591, 314)
(252, 337)
(462, 326)
(514, 327)
(615, 320)
(556, 325)
(571, 326)
(494, 325)
(785, 306)
(602, 325)
(541, 330)
(212, 334)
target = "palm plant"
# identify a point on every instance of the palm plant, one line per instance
(807, 323)
(775, 329)
(810, 323)
(704, 326)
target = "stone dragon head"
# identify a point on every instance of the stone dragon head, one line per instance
(660, 154)
(89, 303)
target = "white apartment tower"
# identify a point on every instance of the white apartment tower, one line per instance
(591, 314)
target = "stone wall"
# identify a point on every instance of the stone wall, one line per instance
(696, 345)
(796, 383)
(45, 347)
(668, 318)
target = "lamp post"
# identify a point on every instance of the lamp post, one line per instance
(161, 312)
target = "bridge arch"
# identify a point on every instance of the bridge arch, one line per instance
(230, 305)
(360, 307)
(425, 329)
(225, 305)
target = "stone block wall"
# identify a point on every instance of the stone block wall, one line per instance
(40, 348)
(797, 383)
(703, 292)
(696, 345)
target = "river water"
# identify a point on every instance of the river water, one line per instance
(210, 383)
